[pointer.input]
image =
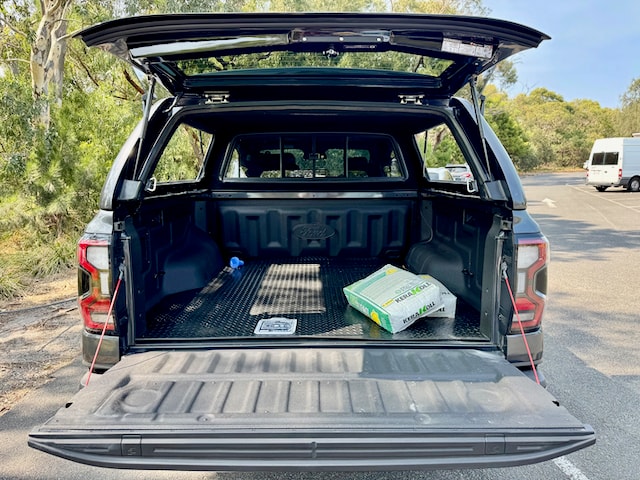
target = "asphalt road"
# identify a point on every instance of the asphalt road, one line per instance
(592, 360)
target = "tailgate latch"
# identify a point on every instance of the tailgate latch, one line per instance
(131, 446)
(494, 444)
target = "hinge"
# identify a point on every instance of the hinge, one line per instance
(506, 225)
(217, 97)
(411, 99)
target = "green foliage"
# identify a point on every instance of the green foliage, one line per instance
(445, 152)
(51, 177)
(23, 258)
(138, 7)
(65, 166)
(53, 257)
(510, 132)
(183, 156)
(10, 284)
(514, 140)
(632, 95)
(561, 132)
(16, 131)
(438, 147)
(627, 120)
(55, 190)
(142, 7)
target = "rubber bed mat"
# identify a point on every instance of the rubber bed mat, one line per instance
(306, 289)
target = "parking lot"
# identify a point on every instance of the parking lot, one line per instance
(592, 360)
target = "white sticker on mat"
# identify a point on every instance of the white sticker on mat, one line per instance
(276, 326)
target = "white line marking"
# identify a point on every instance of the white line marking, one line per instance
(601, 197)
(613, 225)
(569, 469)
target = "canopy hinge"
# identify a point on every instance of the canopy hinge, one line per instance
(411, 99)
(217, 97)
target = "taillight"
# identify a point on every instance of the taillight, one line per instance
(619, 174)
(94, 280)
(531, 282)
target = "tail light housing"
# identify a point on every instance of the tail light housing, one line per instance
(531, 282)
(94, 281)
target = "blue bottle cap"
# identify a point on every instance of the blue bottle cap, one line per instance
(235, 262)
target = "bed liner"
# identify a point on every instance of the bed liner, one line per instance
(308, 289)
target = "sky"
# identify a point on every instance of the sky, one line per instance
(594, 51)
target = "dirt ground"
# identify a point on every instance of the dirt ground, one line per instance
(39, 334)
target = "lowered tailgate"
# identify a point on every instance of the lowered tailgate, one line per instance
(312, 409)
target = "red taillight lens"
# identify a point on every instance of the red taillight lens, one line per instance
(619, 174)
(531, 283)
(94, 280)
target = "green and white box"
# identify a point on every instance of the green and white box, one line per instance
(393, 297)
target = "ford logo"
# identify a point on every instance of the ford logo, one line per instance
(313, 231)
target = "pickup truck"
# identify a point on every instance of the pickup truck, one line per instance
(289, 160)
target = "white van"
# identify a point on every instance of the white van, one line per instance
(615, 162)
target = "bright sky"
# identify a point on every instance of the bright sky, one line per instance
(594, 51)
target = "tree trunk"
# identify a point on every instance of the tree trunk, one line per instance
(47, 55)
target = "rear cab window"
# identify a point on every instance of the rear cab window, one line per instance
(312, 156)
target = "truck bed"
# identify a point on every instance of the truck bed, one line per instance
(308, 289)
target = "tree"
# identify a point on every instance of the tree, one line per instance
(588, 122)
(511, 133)
(471, 7)
(632, 95)
(47, 46)
(628, 120)
(48, 49)
(561, 132)
(15, 33)
(54, 150)
(503, 74)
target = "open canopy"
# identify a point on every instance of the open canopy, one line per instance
(189, 52)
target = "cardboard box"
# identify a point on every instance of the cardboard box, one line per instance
(394, 298)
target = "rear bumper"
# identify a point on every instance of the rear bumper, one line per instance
(109, 353)
(601, 183)
(517, 350)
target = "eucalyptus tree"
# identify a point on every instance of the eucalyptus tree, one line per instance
(628, 121)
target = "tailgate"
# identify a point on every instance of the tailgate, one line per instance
(312, 409)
